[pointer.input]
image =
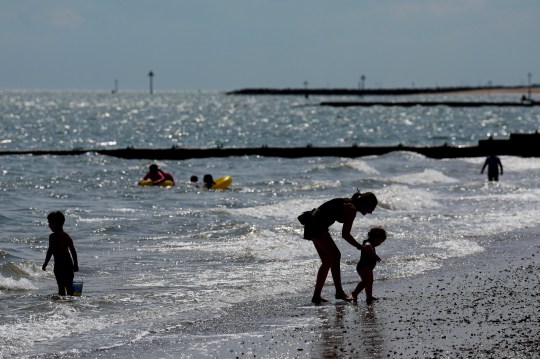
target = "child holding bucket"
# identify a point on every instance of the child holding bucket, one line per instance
(368, 260)
(65, 256)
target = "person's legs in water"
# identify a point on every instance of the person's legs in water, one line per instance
(360, 286)
(64, 279)
(330, 257)
(366, 276)
(69, 283)
(60, 280)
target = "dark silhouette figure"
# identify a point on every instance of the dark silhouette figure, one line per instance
(493, 163)
(368, 261)
(316, 224)
(65, 256)
(157, 175)
(208, 181)
(194, 181)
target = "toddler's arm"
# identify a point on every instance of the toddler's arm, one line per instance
(369, 250)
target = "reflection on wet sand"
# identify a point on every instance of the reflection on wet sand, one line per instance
(349, 330)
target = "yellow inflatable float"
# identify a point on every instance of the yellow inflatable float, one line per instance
(222, 182)
(149, 182)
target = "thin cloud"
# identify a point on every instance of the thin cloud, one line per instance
(66, 18)
(440, 9)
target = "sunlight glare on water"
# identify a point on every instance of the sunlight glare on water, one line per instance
(157, 260)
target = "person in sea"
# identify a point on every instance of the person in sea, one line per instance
(194, 181)
(208, 181)
(157, 175)
(316, 224)
(367, 262)
(65, 256)
(493, 164)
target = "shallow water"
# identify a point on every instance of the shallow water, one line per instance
(155, 260)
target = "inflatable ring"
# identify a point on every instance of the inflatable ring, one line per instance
(222, 182)
(149, 182)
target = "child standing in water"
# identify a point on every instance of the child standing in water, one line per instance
(65, 257)
(368, 260)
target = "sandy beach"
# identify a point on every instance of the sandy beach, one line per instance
(482, 306)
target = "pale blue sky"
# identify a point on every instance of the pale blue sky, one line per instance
(231, 44)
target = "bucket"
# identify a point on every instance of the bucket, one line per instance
(77, 288)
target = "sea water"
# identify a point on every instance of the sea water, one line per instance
(155, 259)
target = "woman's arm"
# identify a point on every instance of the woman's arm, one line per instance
(350, 215)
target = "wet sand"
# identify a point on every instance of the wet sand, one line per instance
(481, 306)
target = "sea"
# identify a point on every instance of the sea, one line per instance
(155, 260)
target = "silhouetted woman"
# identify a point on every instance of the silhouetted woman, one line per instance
(342, 210)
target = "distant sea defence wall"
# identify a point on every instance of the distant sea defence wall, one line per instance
(521, 100)
(342, 92)
(519, 144)
(379, 91)
(522, 103)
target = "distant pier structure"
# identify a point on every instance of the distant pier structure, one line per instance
(115, 89)
(151, 77)
(529, 76)
(363, 91)
(362, 83)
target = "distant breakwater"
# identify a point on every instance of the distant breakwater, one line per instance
(519, 144)
(375, 92)
(527, 103)
(523, 101)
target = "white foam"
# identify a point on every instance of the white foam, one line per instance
(125, 210)
(510, 163)
(406, 266)
(458, 248)
(411, 265)
(318, 184)
(8, 283)
(362, 166)
(288, 209)
(32, 269)
(400, 197)
(521, 164)
(427, 176)
(99, 220)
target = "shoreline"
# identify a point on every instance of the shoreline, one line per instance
(477, 306)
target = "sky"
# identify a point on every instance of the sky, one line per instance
(222, 45)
